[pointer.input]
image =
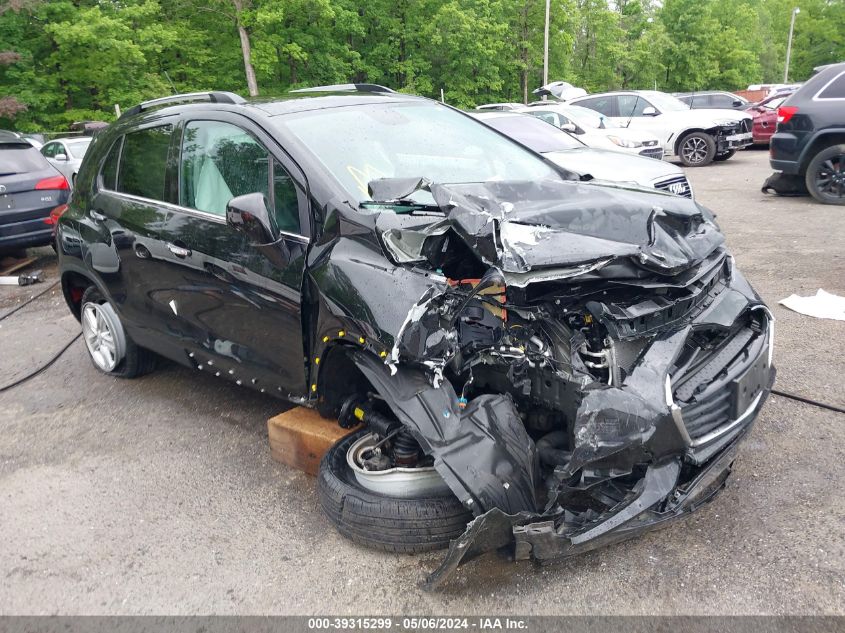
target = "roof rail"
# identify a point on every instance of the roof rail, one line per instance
(211, 97)
(346, 88)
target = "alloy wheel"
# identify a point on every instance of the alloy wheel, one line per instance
(695, 150)
(100, 337)
(830, 177)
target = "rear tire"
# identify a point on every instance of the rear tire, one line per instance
(724, 155)
(826, 175)
(697, 149)
(110, 348)
(389, 524)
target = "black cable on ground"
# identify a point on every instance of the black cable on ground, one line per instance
(42, 368)
(814, 403)
(30, 300)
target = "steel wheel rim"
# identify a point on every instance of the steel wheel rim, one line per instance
(99, 337)
(830, 177)
(695, 150)
(407, 483)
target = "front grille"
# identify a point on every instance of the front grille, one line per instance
(627, 320)
(704, 377)
(679, 186)
(652, 152)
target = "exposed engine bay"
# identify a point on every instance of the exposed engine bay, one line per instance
(576, 369)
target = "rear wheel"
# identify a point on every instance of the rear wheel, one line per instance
(697, 149)
(109, 346)
(724, 155)
(826, 175)
(404, 513)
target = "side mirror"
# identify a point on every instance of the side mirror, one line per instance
(249, 214)
(649, 111)
(569, 127)
(737, 103)
(61, 157)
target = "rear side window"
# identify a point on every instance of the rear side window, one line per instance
(721, 101)
(143, 162)
(834, 90)
(603, 105)
(20, 158)
(108, 175)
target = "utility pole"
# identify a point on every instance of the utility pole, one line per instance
(795, 12)
(546, 47)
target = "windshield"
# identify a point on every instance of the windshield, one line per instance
(586, 117)
(664, 102)
(360, 143)
(78, 147)
(533, 133)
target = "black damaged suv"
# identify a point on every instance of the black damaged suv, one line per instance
(810, 136)
(568, 363)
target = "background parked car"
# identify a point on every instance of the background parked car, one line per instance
(595, 130)
(65, 154)
(36, 140)
(30, 188)
(765, 118)
(810, 136)
(696, 137)
(713, 99)
(570, 153)
(498, 106)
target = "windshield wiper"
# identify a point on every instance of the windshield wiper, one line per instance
(403, 205)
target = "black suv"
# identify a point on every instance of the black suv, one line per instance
(571, 363)
(810, 136)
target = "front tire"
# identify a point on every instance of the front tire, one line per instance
(826, 175)
(724, 155)
(382, 522)
(110, 348)
(697, 149)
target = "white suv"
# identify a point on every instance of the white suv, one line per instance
(695, 137)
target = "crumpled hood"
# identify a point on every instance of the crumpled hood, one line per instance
(524, 226)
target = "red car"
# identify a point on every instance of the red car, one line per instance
(765, 117)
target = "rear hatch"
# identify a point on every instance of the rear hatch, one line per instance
(29, 189)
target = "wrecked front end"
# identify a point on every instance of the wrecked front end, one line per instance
(733, 136)
(579, 363)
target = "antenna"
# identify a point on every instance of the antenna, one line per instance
(170, 81)
(634, 109)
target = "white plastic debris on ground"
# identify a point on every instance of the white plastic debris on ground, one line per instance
(822, 305)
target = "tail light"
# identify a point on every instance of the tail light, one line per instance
(53, 182)
(786, 112)
(55, 214)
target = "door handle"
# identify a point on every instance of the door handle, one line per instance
(179, 251)
(96, 215)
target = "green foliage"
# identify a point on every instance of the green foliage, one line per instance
(67, 60)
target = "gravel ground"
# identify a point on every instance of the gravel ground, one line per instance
(159, 495)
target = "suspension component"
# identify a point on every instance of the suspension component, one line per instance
(355, 411)
(406, 451)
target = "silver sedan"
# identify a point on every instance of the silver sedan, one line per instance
(65, 154)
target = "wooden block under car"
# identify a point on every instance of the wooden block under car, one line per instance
(300, 437)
